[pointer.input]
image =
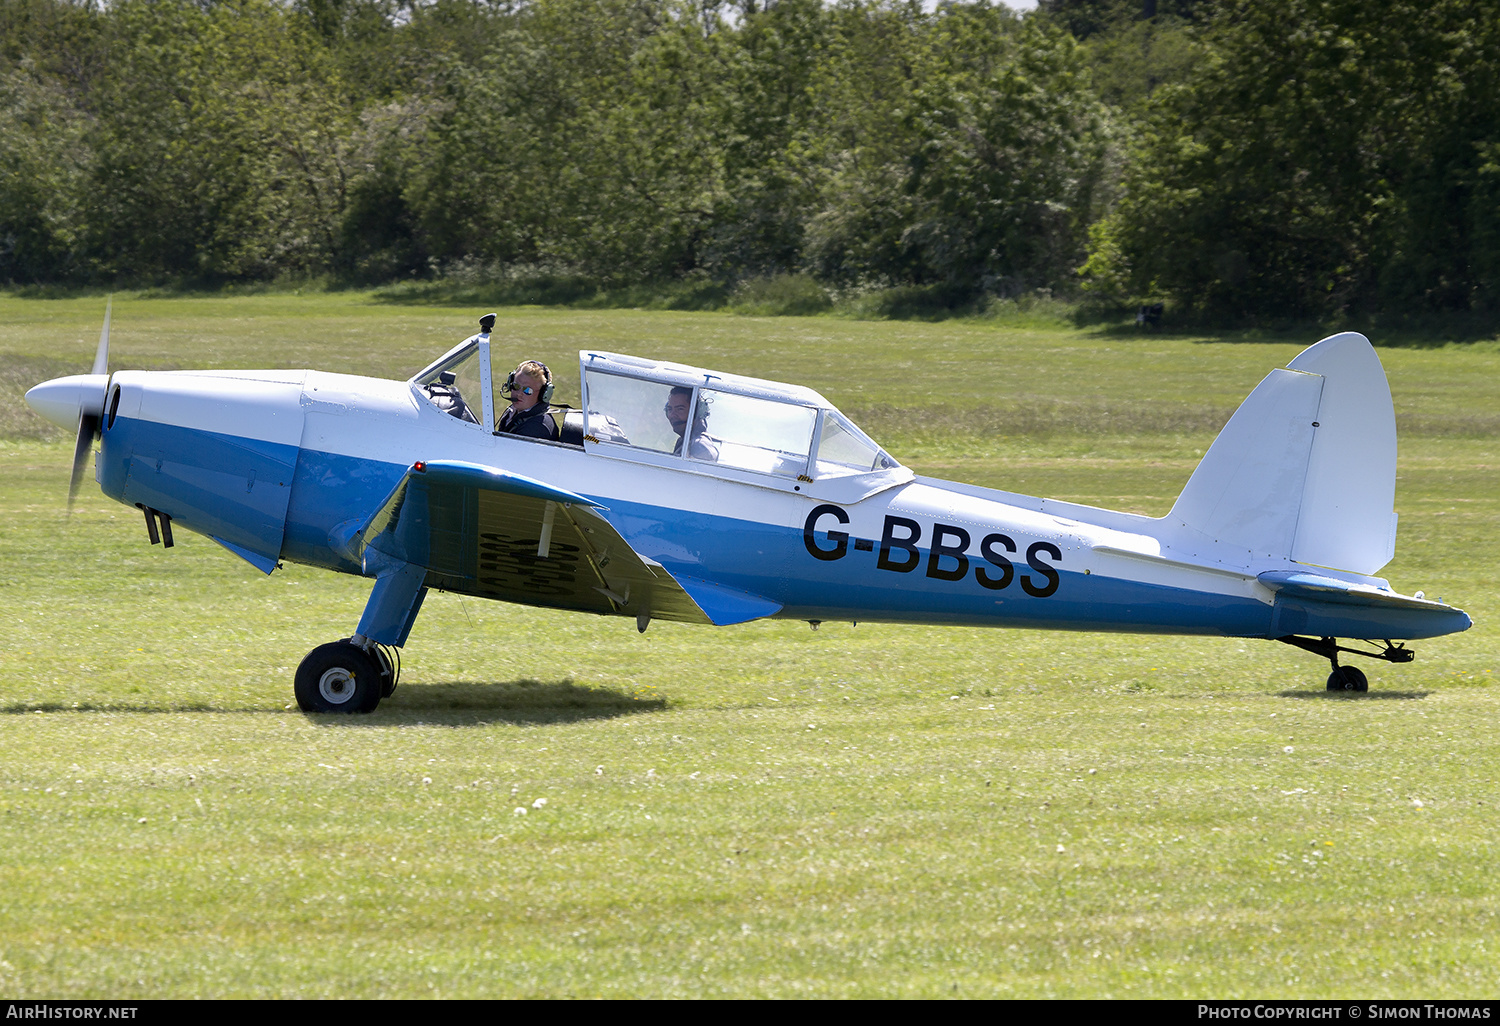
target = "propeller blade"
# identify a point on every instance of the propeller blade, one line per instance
(88, 430)
(101, 357)
(89, 422)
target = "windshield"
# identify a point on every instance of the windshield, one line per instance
(454, 385)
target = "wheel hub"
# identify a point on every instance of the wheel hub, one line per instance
(336, 685)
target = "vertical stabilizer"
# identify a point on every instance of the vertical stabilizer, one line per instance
(1306, 467)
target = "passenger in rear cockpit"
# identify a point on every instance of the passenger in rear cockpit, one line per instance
(529, 389)
(701, 445)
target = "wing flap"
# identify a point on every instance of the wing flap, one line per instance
(725, 606)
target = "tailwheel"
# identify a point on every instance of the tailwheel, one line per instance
(1348, 678)
(339, 677)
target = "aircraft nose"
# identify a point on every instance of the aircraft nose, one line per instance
(64, 400)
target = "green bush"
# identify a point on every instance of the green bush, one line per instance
(780, 295)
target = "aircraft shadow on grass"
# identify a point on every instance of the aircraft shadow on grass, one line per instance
(527, 702)
(94, 708)
(1334, 696)
(520, 701)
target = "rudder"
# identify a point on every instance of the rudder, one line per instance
(1306, 467)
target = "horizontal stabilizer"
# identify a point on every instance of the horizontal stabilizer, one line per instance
(1311, 603)
(1298, 584)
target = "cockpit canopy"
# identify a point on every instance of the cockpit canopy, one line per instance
(660, 413)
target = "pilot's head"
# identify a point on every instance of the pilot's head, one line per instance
(527, 385)
(678, 402)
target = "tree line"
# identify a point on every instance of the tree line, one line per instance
(1239, 158)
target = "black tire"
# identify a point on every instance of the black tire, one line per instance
(1348, 678)
(389, 672)
(338, 677)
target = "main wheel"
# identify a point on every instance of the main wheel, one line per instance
(338, 677)
(1348, 678)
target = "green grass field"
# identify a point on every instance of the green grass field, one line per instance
(553, 805)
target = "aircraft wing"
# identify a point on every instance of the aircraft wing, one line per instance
(482, 531)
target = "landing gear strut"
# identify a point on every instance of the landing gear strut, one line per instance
(343, 676)
(1348, 678)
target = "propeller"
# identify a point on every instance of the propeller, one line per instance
(77, 401)
(89, 419)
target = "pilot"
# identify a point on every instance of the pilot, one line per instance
(701, 446)
(529, 388)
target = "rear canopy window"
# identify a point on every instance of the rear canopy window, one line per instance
(758, 434)
(630, 411)
(724, 428)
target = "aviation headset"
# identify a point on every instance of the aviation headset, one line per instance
(546, 397)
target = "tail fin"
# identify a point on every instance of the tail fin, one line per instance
(1306, 467)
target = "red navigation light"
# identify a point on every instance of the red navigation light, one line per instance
(420, 466)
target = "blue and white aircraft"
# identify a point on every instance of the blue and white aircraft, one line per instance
(758, 499)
